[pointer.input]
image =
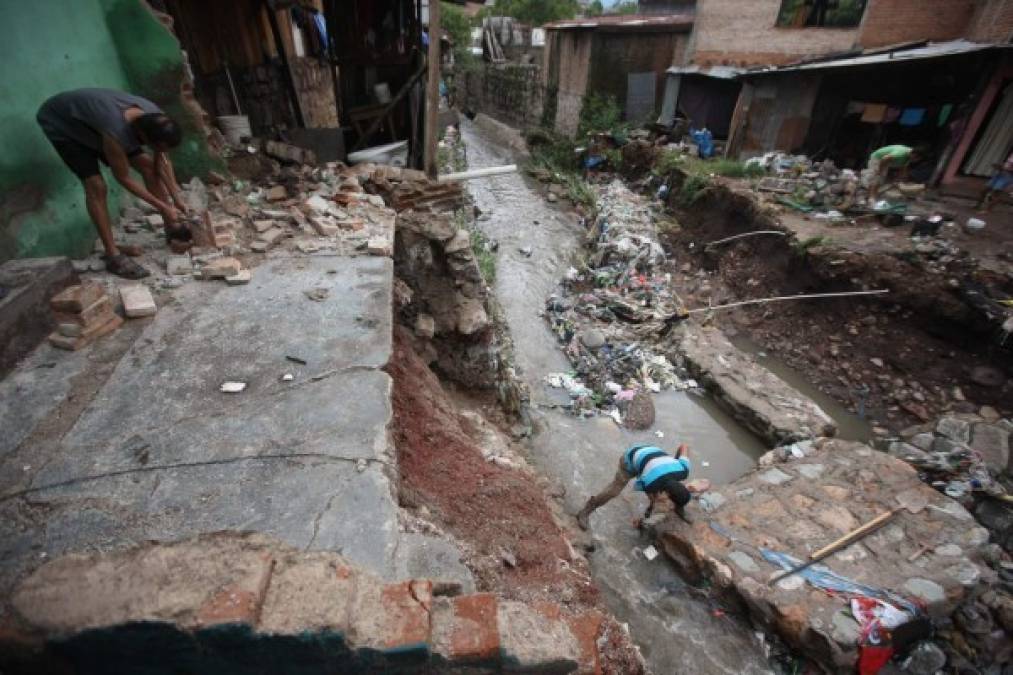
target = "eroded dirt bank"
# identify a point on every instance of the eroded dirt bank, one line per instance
(459, 473)
(901, 358)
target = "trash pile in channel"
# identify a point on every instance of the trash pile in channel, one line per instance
(610, 312)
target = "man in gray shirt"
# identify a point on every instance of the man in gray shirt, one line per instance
(87, 126)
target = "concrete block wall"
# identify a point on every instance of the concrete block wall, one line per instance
(512, 93)
(230, 603)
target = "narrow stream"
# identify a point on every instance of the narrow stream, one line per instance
(677, 632)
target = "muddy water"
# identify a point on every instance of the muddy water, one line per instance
(676, 631)
(850, 426)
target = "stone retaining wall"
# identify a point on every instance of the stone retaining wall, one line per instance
(932, 558)
(226, 603)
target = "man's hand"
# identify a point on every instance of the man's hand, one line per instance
(682, 451)
(638, 523)
(170, 214)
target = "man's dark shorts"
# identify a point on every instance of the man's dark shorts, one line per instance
(663, 483)
(82, 160)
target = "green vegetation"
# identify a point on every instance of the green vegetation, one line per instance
(671, 160)
(692, 189)
(458, 25)
(668, 161)
(534, 12)
(828, 13)
(600, 114)
(485, 258)
(801, 248)
(597, 9)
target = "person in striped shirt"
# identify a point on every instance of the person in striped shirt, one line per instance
(656, 473)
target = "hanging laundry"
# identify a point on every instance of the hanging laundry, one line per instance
(912, 117)
(944, 114)
(855, 108)
(892, 115)
(874, 113)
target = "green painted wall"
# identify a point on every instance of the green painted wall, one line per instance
(49, 46)
(46, 47)
(153, 65)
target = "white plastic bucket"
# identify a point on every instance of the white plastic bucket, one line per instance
(235, 127)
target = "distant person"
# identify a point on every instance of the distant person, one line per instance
(657, 474)
(86, 126)
(886, 163)
(1000, 182)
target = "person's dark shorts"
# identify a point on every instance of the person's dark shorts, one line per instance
(83, 161)
(663, 483)
(80, 159)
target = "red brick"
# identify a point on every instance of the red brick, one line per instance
(474, 635)
(98, 313)
(76, 298)
(585, 628)
(406, 606)
(231, 605)
(87, 336)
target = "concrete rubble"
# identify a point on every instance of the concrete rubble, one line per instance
(224, 597)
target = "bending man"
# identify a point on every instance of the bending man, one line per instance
(657, 473)
(86, 126)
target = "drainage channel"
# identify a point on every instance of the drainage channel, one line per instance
(676, 630)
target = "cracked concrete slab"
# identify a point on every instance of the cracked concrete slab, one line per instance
(160, 453)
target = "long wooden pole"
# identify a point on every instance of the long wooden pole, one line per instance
(433, 90)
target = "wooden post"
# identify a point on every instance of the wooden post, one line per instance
(433, 90)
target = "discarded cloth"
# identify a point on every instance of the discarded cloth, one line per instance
(874, 113)
(823, 577)
(912, 117)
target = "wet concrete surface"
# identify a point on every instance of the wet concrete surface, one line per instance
(675, 629)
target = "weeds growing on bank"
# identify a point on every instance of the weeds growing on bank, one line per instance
(479, 245)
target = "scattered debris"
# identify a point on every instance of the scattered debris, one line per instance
(233, 387)
(317, 294)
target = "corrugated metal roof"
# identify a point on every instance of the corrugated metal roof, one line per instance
(930, 51)
(720, 72)
(622, 22)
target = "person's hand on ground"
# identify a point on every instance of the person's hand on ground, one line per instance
(170, 214)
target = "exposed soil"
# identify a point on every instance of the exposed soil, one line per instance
(499, 514)
(915, 350)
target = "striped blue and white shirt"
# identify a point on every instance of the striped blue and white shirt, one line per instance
(650, 463)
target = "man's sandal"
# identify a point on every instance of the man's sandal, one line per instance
(122, 266)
